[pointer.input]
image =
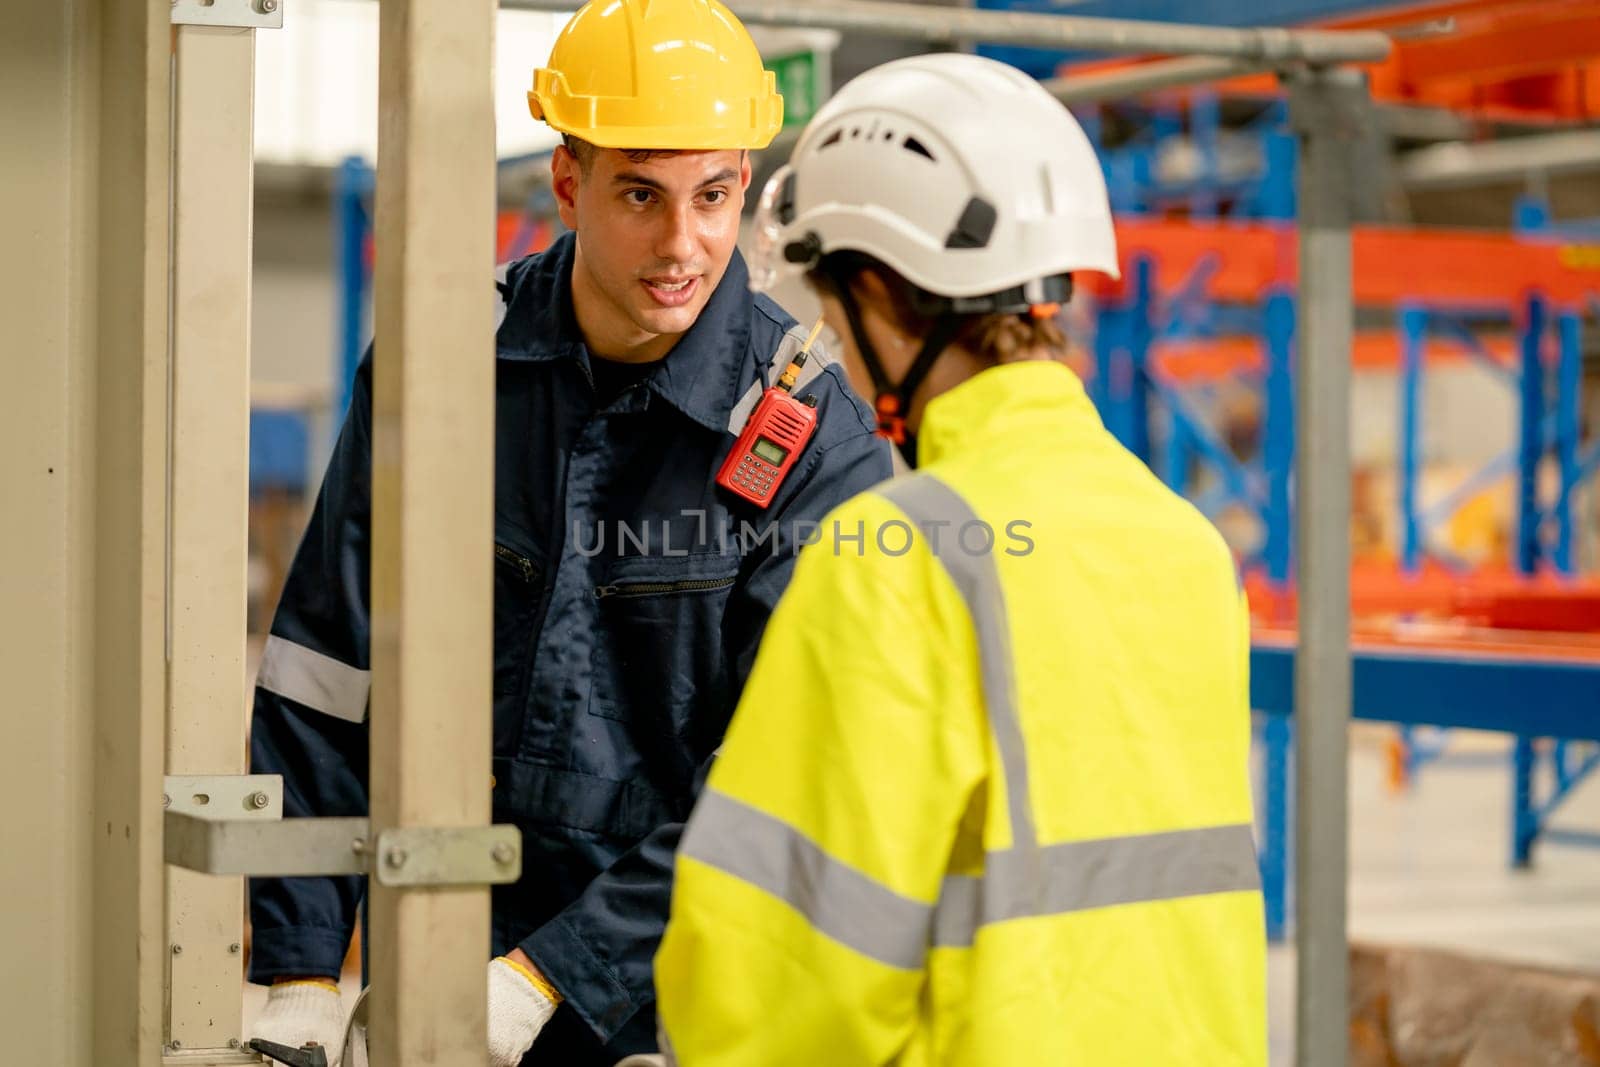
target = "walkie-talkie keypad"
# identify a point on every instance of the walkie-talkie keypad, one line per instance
(755, 475)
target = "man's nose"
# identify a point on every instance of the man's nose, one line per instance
(676, 242)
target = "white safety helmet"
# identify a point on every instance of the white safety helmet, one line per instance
(959, 172)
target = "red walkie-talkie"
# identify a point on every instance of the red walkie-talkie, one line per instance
(774, 436)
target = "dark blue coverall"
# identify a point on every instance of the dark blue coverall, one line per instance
(630, 595)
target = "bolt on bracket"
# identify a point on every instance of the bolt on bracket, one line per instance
(448, 855)
(224, 796)
(237, 14)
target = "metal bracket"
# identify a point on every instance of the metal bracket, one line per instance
(286, 848)
(446, 855)
(278, 848)
(233, 824)
(1333, 106)
(238, 14)
(224, 796)
(1329, 101)
(211, 1058)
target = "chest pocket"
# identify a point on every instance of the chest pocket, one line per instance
(659, 656)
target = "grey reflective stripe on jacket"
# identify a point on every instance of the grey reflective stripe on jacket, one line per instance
(815, 364)
(502, 304)
(836, 899)
(927, 500)
(863, 914)
(1100, 873)
(1025, 881)
(320, 682)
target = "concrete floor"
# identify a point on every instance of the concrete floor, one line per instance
(1428, 867)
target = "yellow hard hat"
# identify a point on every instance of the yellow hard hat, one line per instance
(678, 74)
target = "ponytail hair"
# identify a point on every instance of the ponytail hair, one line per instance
(993, 337)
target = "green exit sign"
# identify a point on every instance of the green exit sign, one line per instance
(798, 81)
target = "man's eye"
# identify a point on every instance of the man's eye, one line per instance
(637, 197)
(716, 196)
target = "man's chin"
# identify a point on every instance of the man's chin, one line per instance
(665, 322)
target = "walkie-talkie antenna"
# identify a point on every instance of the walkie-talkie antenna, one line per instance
(792, 371)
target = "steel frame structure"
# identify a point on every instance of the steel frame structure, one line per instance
(432, 490)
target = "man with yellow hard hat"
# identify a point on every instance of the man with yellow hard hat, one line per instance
(631, 589)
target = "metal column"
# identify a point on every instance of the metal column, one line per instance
(1531, 438)
(1569, 430)
(1110, 341)
(1139, 336)
(432, 516)
(351, 228)
(1278, 451)
(1325, 106)
(1413, 336)
(1529, 551)
(1120, 388)
(208, 504)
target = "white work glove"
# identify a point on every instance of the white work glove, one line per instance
(518, 1010)
(300, 1012)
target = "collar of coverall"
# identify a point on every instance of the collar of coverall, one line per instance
(700, 376)
(1014, 402)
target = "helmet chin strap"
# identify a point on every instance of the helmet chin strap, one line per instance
(892, 401)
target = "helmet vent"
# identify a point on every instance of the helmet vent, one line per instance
(833, 138)
(975, 226)
(911, 144)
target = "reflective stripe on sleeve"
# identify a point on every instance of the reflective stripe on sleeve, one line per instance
(836, 900)
(1102, 873)
(864, 915)
(319, 682)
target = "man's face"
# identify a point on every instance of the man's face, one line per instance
(654, 239)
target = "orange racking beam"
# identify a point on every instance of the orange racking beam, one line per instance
(1506, 43)
(1516, 59)
(1211, 358)
(1391, 264)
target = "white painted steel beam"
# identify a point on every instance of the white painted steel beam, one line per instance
(432, 513)
(208, 505)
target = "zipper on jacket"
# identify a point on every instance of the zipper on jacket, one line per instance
(626, 589)
(523, 565)
(528, 572)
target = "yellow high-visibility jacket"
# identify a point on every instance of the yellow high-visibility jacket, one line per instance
(986, 797)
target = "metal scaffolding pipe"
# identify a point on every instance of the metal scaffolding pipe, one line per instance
(1148, 78)
(1266, 45)
(1511, 159)
(1324, 106)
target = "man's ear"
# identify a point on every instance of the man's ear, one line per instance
(566, 173)
(744, 169)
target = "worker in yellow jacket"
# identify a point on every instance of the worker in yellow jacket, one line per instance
(985, 799)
